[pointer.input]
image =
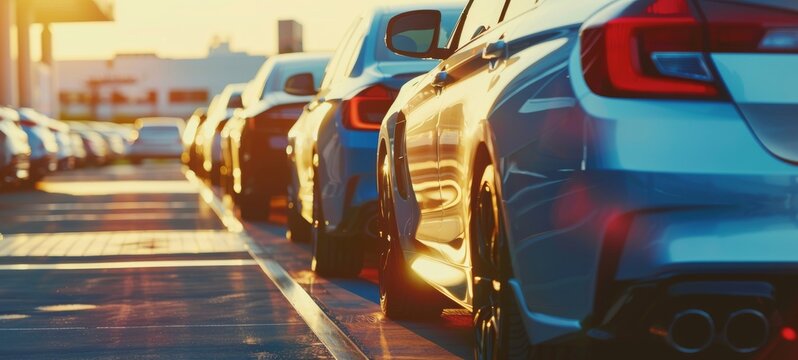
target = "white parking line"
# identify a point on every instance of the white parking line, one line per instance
(117, 187)
(69, 328)
(130, 265)
(105, 206)
(105, 243)
(101, 217)
(333, 338)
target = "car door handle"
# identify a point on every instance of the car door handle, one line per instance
(441, 79)
(495, 50)
(315, 103)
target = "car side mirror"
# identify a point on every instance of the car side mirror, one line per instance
(415, 34)
(301, 85)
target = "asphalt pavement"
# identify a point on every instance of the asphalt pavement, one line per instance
(148, 262)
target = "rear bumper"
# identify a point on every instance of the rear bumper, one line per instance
(66, 163)
(40, 167)
(621, 228)
(264, 172)
(351, 173)
(16, 171)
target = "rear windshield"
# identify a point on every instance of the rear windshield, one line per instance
(282, 72)
(160, 131)
(448, 21)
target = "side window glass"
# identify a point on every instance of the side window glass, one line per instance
(332, 68)
(481, 16)
(518, 7)
(352, 51)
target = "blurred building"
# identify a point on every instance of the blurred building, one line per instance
(289, 36)
(136, 85)
(23, 82)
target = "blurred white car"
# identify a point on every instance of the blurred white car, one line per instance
(157, 138)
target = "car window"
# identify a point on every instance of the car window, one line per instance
(255, 87)
(352, 51)
(518, 7)
(159, 131)
(481, 16)
(332, 68)
(284, 71)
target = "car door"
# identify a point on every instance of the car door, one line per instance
(462, 93)
(418, 128)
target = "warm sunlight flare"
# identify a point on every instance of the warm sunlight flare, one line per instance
(399, 179)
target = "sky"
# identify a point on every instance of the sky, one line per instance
(186, 28)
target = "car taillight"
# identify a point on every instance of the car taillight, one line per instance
(366, 110)
(660, 48)
(652, 48)
(749, 28)
(27, 123)
(280, 114)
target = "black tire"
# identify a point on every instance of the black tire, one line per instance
(335, 256)
(403, 295)
(498, 327)
(298, 228)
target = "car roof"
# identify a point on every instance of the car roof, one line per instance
(159, 121)
(300, 57)
(399, 8)
(233, 89)
(8, 113)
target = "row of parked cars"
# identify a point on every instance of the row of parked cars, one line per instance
(578, 174)
(33, 145)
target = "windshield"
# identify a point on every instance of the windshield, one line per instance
(159, 131)
(282, 72)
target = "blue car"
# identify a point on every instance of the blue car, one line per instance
(332, 147)
(590, 176)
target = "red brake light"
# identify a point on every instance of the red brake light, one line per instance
(366, 110)
(735, 27)
(27, 123)
(652, 48)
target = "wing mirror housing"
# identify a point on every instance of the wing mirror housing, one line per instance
(415, 34)
(301, 85)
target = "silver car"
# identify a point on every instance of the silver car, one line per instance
(158, 138)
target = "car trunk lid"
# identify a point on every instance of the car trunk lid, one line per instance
(754, 47)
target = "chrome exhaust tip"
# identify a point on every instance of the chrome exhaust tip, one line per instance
(691, 331)
(746, 331)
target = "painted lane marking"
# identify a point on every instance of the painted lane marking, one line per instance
(129, 265)
(86, 188)
(121, 243)
(334, 339)
(127, 205)
(71, 328)
(102, 217)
